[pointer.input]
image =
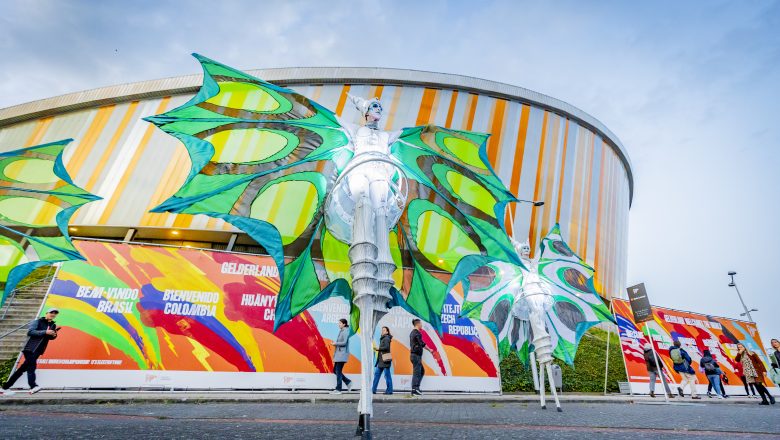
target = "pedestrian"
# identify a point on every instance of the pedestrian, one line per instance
(416, 345)
(40, 332)
(341, 356)
(749, 387)
(655, 369)
(682, 365)
(712, 370)
(754, 371)
(775, 361)
(383, 361)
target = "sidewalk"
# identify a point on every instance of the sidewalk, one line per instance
(100, 397)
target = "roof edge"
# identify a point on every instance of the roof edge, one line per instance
(316, 75)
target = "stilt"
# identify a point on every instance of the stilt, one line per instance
(552, 387)
(541, 387)
(534, 371)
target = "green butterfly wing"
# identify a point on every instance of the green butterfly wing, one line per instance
(37, 196)
(577, 306)
(453, 220)
(263, 159)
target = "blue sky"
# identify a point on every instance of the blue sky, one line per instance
(691, 88)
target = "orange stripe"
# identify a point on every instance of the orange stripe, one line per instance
(426, 105)
(563, 168)
(550, 175)
(40, 129)
(522, 133)
(132, 165)
(586, 218)
(178, 174)
(598, 256)
(103, 161)
(451, 109)
(87, 143)
(496, 127)
(537, 186)
(376, 92)
(315, 96)
(342, 99)
(393, 108)
(468, 118)
(576, 216)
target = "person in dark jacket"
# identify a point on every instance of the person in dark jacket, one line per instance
(775, 361)
(383, 361)
(712, 370)
(40, 332)
(416, 346)
(655, 369)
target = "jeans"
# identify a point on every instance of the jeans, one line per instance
(417, 370)
(709, 387)
(29, 366)
(688, 378)
(715, 382)
(388, 380)
(338, 370)
(653, 375)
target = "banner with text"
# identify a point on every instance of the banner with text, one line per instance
(696, 332)
(158, 316)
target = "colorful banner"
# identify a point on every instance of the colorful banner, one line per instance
(160, 316)
(696, 333)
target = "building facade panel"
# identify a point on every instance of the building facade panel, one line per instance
(540, 154)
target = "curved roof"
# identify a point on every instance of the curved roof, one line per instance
(317, 75)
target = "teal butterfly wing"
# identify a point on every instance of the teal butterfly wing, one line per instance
(37, 200)
(263, 159)
(577, 306)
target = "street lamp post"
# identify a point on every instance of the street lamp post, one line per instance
(734, 285)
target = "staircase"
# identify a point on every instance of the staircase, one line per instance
(20, 308)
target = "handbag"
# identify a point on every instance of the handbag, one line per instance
(387, 357)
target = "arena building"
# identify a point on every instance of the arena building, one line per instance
(542, 148)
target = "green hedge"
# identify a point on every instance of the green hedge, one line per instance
(5, 368)
(587, 376)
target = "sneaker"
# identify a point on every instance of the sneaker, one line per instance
(8, 392)
(763, 402)
(679, 391)
(719, 396)
(771, 400)
(652, 394)
(709, 394)
(35, 389)
(671, 396)
(388, 394)
(336, 392)
(695, 397)
(416, 393)
(349, 387)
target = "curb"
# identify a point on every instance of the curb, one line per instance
(58, 398)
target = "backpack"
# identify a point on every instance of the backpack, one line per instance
(676, 355)
(709, 368)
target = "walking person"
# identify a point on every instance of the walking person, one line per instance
(682, 365)
(775, 361)
(341, 356)
(754, 371)
(383, 361)
(749, 387)
(40, 332)
(416, 346)
(655, 369)
(712, 370)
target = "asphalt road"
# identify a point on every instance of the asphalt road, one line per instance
(400, 420)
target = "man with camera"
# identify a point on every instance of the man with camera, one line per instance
(40, 332)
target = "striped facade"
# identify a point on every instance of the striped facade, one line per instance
(540, 151)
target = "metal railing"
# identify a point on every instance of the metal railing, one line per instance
(10, 300)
